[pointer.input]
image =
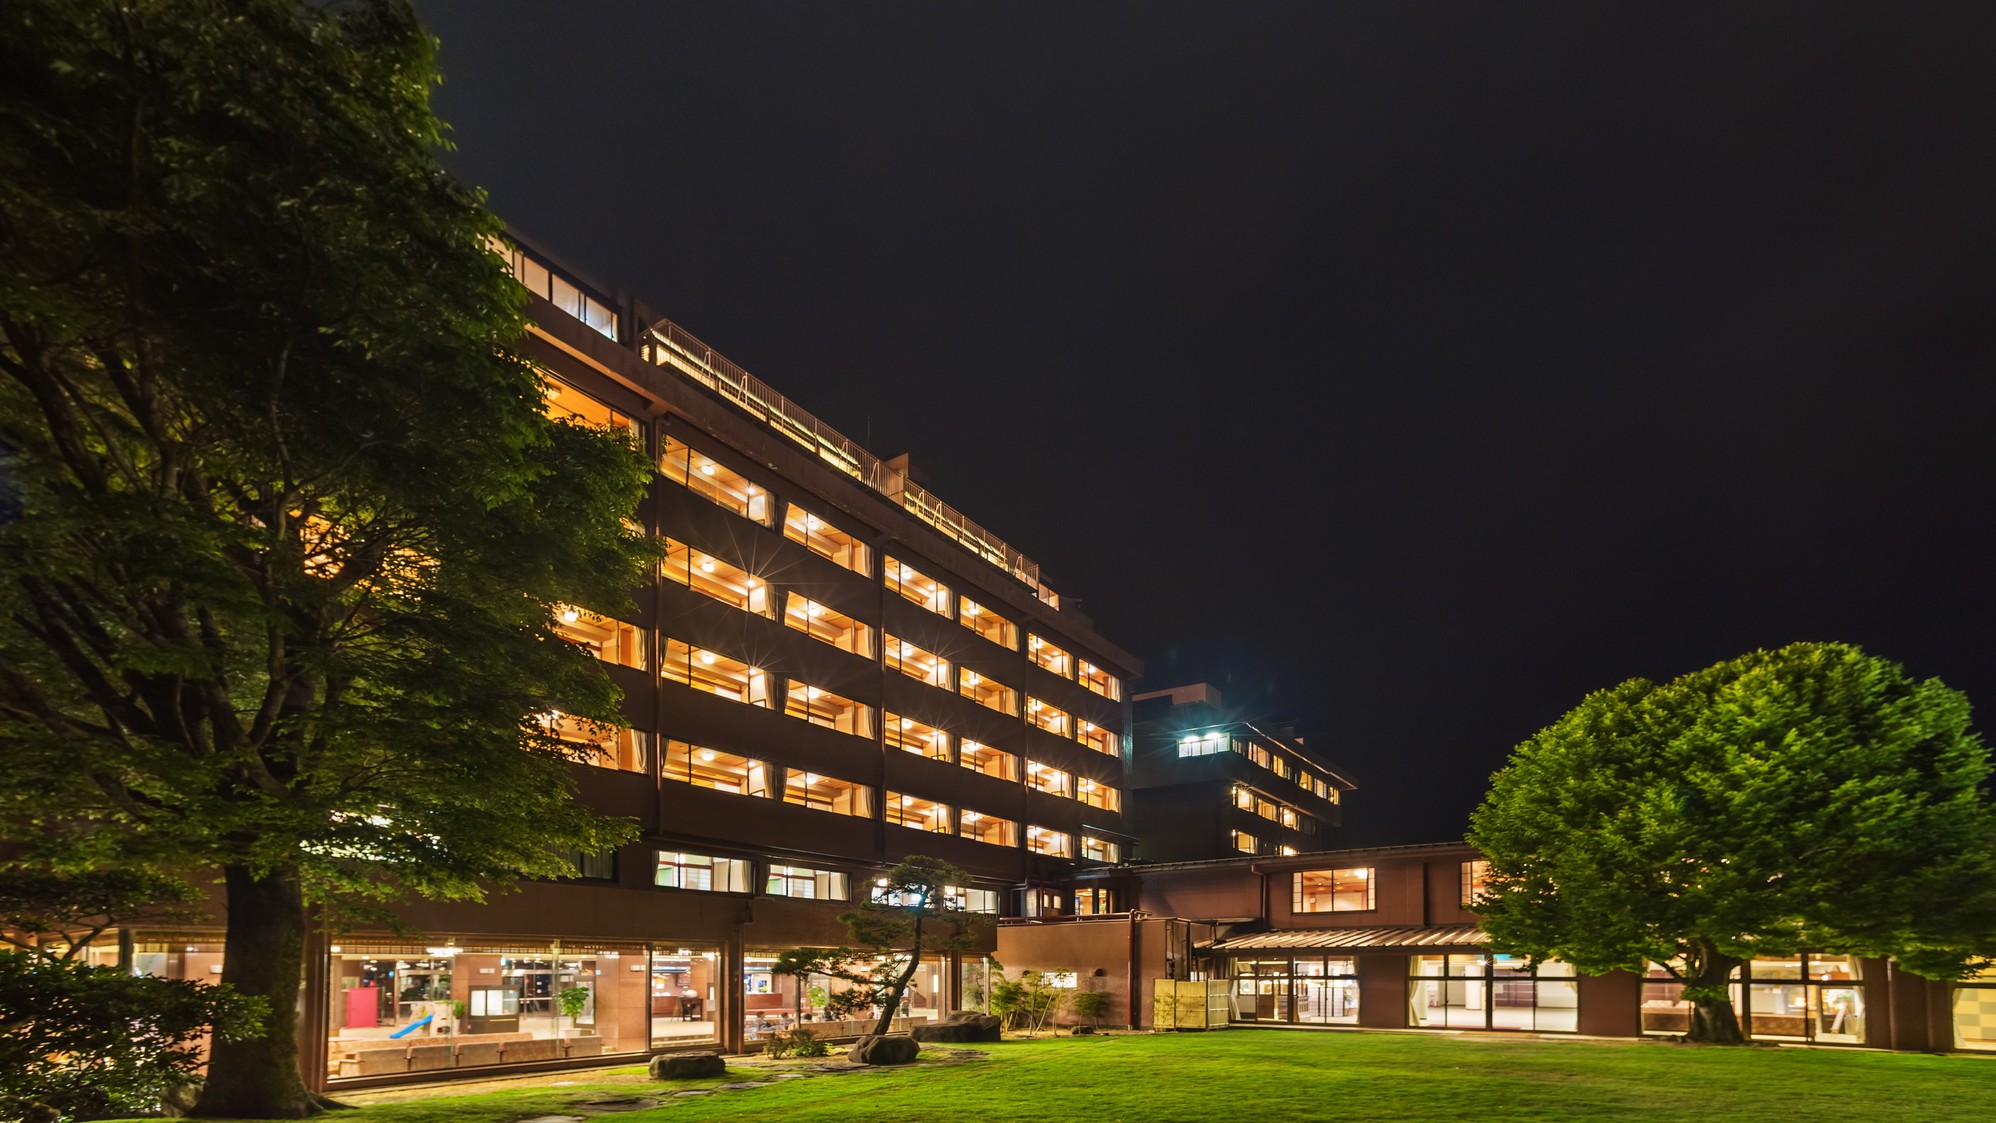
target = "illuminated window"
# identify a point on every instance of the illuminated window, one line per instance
(1243, 798)
(1100, 850)
(828, 624)
(1048, 717)
(566, 402)
(713, 480)
(917, 663)
(1253, 752)
(826, 540)
(1475, 878)
(713, 769)
(1246, 843)
(558, 290)
(980, 827)
(1093, 902)
(608, 639)
(1346, 890)
(1047, 778)
(723, 676)
(805, 883)
(1097, 738)
(988, 693)
(1100, 681)
(915, 737)
(1045, 840)
(912, 584)
(1280, 766)
(827, 793)
(1045, 655)
(987, 623)
(726, 582)
(602, 746)
(992, 762)
(1265, 808)
(1202, 744)
(703, 872)
(917, 813)
(980, 900)
(1094, 793)
(822, 707)
(1289, 817)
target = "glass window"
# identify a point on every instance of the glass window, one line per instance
(806, 883)
(917, 663)
(1097, 738)
(827, 793)
(1100, 850)
(1047, 778)
(988, 624)
(712, 576)
(988, 693)
(983, 758)
(1049, 657)
(1474, 874)
(1246, 843)
(719, 771)
(604, 637)
(917, 587)
(602, 746)
(833, 711)
(566, 402)
(826, 540)
(1100, 681)
(1805, 998)
(1202, 744)
(1975, 1012)
(723, 676)
(916, 737)
(706, 477)
(1093, 902)
(918, 813)
(828, 624)
(703, 872)
(1046, 840)
(1094, 793)
(1343, 890)
(981, 900)
(1047, 716)
(559, 291)
(980, 827)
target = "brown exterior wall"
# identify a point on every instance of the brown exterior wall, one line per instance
(1611, 1004)
(1382, 991)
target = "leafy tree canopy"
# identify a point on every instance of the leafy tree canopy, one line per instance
(1811, 798)
(287, 523)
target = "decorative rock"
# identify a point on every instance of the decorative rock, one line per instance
(687, 1066)
(964, 1025)
(885, 1049)
(1082, 1031)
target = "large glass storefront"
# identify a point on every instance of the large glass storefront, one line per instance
(1481, 991)
(774, 1002)
(1785, 998)
(403, 1007)
(1302, 989)
(1975, 1012)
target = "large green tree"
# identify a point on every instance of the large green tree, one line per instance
(286, 521)
(1813, 798)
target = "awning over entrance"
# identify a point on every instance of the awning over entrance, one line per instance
(1326, 939)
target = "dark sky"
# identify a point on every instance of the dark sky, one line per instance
(1411, 369)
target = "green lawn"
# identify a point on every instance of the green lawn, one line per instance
(1245, 1076)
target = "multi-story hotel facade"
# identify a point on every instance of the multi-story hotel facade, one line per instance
(833, 671)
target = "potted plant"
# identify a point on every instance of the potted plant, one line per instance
(572, 999)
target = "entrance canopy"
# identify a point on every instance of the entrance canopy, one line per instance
(1337, 939)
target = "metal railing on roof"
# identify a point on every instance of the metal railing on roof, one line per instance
(675, 347)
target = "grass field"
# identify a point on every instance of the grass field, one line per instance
(1246, 1076)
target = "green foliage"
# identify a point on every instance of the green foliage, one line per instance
(1810, 798)
(915, 910)
(292, 522)
(573, 1000)
(46, 912)
(1029, 1002)
(799, 1042)
(1090, 1004)
(94, 1042)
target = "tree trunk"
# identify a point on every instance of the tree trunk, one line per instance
(263, 955)
(893, 1004)
(1707, 974)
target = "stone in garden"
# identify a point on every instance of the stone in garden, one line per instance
(964, 1025)
(885, 1049)
(687, 1066)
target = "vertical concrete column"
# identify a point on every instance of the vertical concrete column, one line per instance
(314, 1021)
(728, 989)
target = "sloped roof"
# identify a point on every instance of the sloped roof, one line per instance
(1311, 939)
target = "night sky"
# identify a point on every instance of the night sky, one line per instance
(1408, 369)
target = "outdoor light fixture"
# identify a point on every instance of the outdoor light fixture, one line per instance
(569, 615)
(880, 882)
